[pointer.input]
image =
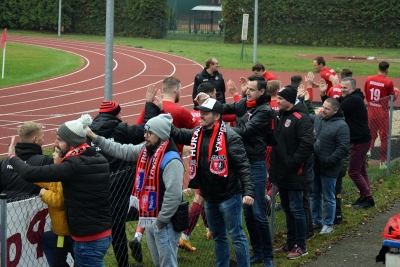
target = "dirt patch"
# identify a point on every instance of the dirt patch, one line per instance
(351, 58)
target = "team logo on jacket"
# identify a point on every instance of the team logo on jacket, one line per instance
(287, 122)
(216, 78)
(218, 164)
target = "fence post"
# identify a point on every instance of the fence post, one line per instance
(3, 230)
(273, 207)
(390, 134)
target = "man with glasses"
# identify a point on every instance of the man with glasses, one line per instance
(210, 74)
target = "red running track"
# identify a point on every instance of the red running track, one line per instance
(54, 101)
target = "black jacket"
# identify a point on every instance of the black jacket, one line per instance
(122, 172)
(213, 187)
(217, 79)
(291, 156)
(253, 125)
(332, 144)
(11, 183)
(85, 181)
(356, 116)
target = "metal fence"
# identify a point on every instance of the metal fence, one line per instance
(24, 221)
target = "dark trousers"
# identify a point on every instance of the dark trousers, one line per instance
(307, 205)
(56, 251)
(338, 187)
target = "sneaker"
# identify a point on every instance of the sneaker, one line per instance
(317, 226)
(267, 203)
(283, 248)
(310, 235)
(255, 260)
(358, 201)
(326, 230)
(366, 203)
(185, 244)
(208, 235)
(368, 157)
(338, 219)
(269, 263)
(136, 250)
(297, 252)
(382, 166)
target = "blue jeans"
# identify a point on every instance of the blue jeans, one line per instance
(256, 219)
(292, 205)
(323, 186)
(91, 254)
(163, 245)
(227, 216)
(56, 256)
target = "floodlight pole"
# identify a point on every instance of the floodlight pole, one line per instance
(255, 31)
(59, 17)
(108, 77)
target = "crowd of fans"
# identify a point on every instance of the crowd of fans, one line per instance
(268, 135)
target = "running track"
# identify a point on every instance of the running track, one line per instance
(54, 101)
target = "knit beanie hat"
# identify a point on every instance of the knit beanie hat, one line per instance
(289, 93)
(110, 107)
(160, 126)
(74, 132)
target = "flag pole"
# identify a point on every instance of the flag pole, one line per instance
(4, 60)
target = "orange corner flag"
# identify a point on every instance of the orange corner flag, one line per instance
(3, 38)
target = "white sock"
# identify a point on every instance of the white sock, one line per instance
(139, 236)
(185, 237)
(207, 229)
(383, 163)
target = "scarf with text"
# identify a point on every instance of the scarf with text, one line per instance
(145, 191)
(76, 151)
(217, 154)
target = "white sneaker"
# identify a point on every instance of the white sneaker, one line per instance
(326, 230)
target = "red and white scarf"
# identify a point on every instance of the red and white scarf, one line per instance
(145, 191)
(217, 155)
(76, 151)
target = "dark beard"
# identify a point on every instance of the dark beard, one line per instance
(151, 149)
(63, 153)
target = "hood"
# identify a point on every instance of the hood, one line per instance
(26, 150)
(358, 92)
(300, 107)
(104, 124)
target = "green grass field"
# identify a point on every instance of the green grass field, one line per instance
(26, 63)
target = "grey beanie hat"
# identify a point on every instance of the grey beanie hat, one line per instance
(74, 132)
(160, 126)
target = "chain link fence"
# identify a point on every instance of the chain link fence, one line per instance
(24, 221)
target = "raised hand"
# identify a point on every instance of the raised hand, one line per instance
(309, 78)
(323, 87)
(243, 84)
(232, 87)
(201, 97)
(150, 93)
(158, 99)
(11, 148)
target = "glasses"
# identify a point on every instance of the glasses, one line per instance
(149, 133)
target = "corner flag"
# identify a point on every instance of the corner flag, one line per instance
(3, 45)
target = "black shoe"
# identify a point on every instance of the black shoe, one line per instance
(317, 226)
(338, 219)
(366, 203)
(255, 260)
(136, 250)
(358, 201)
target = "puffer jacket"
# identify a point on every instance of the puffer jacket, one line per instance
(253, 125)
(214, 187)
(332, 144)
(85, 180)
(54, 199)
(291, 156)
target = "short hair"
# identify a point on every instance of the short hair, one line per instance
(209, 62)
(273, 86)
(27, 131)
(261, 83)
(383, 66)
(170, 83)
(296, 79)
(352, 81)
(206, 88)
(258, 67)
(320, 60)
(334, 103)
(346, 73)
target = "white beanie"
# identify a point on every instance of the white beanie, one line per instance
(160, 126)
(74, 132)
